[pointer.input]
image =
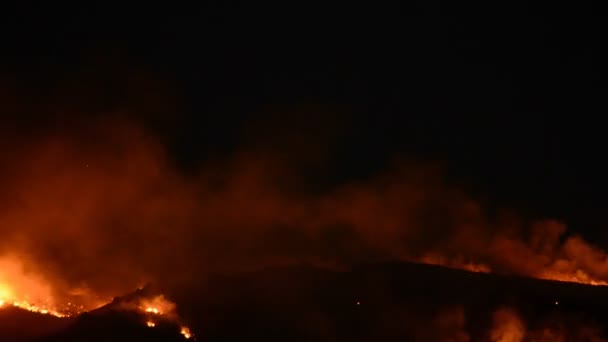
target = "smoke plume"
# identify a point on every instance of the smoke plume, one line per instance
(104, 209)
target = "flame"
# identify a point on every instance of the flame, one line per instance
(157, 305)
(28, 291)
(507, 326)
(186, 332)
(38, 309)
(551, 272)
(577, 277)
(457, 263)
(153, 310)
(161, 306)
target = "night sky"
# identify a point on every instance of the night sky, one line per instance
(512, 107)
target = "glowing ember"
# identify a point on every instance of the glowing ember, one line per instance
(45, 307)
(186, 332)
(577, 276)
(21, 288)
(153, 310)
(28, 291)
(473, 267)
(41, 310)
(458, 263)
(551, 272)
(158, 305)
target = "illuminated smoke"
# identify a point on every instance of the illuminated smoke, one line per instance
(96, 212)
(19, 288)
(157, 305)
(507, 326)
(450, 325)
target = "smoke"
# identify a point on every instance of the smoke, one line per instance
(509, 326)
(450, 325)
(103, 209)
(13, 278)
(458, 323)
(92, 208)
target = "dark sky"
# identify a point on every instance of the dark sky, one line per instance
(513, 104)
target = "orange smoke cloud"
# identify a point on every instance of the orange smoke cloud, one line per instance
(509, 326)
(103, 210)
(21, 289)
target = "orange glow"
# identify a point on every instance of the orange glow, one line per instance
(507, 326)
(479, 268)
(436, 259)
(161, 306)
(577, 276)
(153, 310)
(186, 332)
(557, 272)
(158, 305)
(28, 291)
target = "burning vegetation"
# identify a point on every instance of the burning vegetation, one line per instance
(88, 215)
(158, 308)
(23, 290)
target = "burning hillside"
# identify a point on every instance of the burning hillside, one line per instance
(21, 289)
(153, 307)
(413, 178)
(88, 215)
(95, 212)
(371, 302)
(412, 302)
(143, 313)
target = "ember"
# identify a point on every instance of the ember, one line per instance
(186, 332)
(157, 305)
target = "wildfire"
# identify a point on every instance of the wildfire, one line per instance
(28, 291)
(153, 310)
(42, 310)
(575, 277)
(457, 263)
(160, 306)
(68, 311)
(549, 273)
(186, 332)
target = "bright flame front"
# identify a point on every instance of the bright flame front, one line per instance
(186, 332)
(25, 290)
(163, 309)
